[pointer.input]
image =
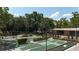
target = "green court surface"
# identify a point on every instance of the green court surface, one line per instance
(41, 45)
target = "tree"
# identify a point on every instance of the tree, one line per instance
(63, 23)
(46, 24)
(33, 20)
(4, 18)
(75, 19)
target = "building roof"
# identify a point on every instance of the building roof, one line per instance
(69, 29)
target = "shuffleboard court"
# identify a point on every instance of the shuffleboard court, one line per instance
(41, 45)
(27, 46)
(50, 44)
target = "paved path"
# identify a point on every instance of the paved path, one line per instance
(74, 48)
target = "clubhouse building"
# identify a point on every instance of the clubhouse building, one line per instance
(65, 33)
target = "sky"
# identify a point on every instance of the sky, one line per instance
(52, 12)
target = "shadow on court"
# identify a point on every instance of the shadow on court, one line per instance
(7, 45)
(61, 47)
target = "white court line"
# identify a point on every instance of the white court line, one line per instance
(44, 43)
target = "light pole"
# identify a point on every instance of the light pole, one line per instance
(46, 36)
(76, 32)
(45, 31)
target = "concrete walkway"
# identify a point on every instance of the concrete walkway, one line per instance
(74, 48)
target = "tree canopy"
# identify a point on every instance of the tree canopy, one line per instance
(33, 22)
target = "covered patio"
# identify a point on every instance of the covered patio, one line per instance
(65, 33)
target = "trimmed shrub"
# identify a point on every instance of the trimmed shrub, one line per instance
(39, 39)
(21, 41)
